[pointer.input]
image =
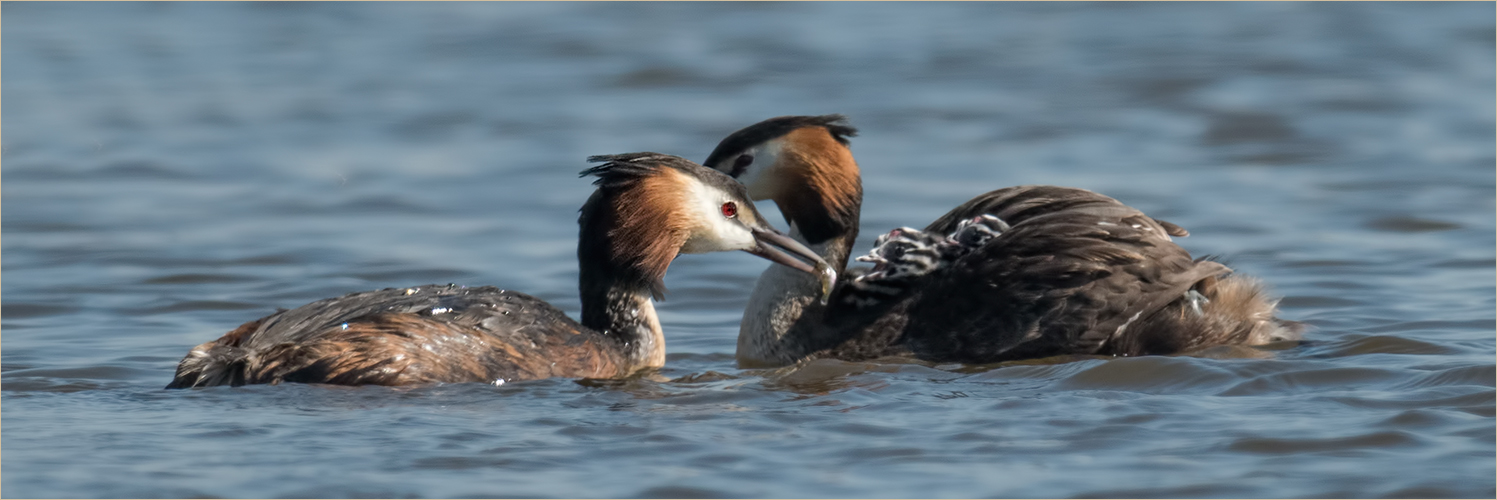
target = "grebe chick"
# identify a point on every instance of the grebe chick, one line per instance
(647, 209)
(905, 255)
(1070, 271)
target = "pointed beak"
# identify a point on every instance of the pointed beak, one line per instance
(773, 246)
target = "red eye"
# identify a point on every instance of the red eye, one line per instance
(730, 210)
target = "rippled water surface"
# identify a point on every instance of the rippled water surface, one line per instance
(172, 170)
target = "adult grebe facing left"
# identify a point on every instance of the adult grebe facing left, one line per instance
(1015, 273)
(648, 208)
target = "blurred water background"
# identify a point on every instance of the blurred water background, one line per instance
(172, 170)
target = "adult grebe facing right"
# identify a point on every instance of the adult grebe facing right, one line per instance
(647, 209)
(1020, 272)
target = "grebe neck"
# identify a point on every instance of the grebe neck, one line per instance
(822, 201)
(783, 318)
(616, 282)
(624, 312)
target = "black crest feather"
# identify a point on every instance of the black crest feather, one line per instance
(629, 166)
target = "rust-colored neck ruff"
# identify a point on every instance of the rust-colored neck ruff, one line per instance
(626, 243)
(822, 190)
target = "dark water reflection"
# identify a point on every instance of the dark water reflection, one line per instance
(174, 169)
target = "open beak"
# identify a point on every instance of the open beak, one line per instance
(773, 246)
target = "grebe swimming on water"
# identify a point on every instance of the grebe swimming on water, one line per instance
(1053, 270)
(648, 208)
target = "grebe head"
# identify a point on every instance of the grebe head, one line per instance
(903, 253)
(756, 155)
(802, 163)
(650, 207)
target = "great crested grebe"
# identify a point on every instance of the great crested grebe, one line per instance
(648, 208)
(1016, 273)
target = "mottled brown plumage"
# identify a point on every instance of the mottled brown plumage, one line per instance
(1077, 273)
(405, 336)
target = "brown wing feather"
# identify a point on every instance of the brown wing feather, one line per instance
(408, 349)
(1057, 283)
(1078, 273)
(409, 336)
(1019, 203)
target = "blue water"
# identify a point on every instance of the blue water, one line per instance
(172, 170)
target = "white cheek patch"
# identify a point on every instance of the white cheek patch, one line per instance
(762, 183)
(711, 231)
